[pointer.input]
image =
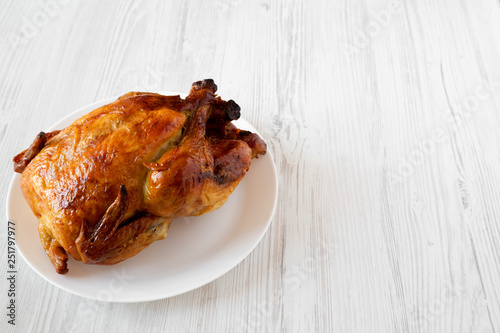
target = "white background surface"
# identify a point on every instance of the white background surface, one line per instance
(383, 118)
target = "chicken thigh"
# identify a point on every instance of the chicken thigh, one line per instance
(108, 185)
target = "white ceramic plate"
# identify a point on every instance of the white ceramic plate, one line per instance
(196, 251)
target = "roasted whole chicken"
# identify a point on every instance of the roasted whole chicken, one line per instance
(109, 185)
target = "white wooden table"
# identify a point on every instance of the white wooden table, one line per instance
(383, 118)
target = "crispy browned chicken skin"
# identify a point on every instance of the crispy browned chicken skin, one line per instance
(108, 185)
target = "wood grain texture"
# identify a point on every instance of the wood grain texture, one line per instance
(382, 117)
